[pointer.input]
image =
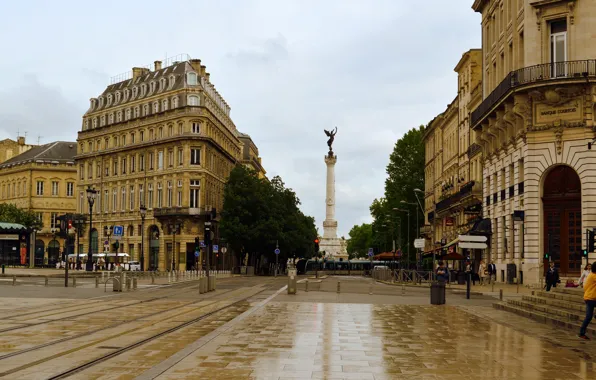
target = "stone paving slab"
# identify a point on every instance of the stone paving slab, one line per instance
(312, 340)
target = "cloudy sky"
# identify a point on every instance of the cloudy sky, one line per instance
(288, 68)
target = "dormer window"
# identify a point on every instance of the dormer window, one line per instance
(100, 101)
(93, 104)
(191, 79)
(118, 96)
(126, 94)
(162, 84)
(143, 89)
(193, 100)
(109, 100)
(135, 92)
(172, 80)
(152, 87)
(164, 105)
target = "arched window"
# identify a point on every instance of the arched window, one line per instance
(191, 79)
(162, 84)
(126, 95)
(145, 109)
(152, 87)
(86, 125)
(172, 80)
(94, 122)
(128, 112)
(100, 101)
(175, 102)
(109, 100)
(164, 105)
(193, 100)
(143, 89)
(135, 92)
(155, 107)
(102, 121)
(111, 118)
(137, 111)
(119, 116)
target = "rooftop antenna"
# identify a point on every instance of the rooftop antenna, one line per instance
(18, 134)
(38, 138)
(25, 134)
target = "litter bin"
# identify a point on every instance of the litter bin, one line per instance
(437, 293)
(461, 278)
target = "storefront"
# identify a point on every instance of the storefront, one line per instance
(14, 244)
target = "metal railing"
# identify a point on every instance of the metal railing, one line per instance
(534, 74)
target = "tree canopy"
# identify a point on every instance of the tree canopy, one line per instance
(405, 173)
(10, 213)
(259, 215)
(360, 240)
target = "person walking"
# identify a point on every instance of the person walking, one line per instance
(492, 272)
(590, 300)
(584, 275)
(482, 272)
(552, 277)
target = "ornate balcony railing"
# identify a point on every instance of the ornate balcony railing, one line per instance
(473, 150)
(534, 74)
(180, 211)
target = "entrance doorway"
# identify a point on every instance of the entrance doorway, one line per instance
(562, 220)
(153, 248)
(53, 253)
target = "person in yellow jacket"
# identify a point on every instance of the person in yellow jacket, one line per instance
(590, 300)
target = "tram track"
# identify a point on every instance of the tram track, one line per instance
(133, 345)
(139, 302)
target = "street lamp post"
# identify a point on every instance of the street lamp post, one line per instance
(418, 259)
(143, 211)
(174, 229)
(408, 242)
(91, 194)
(79, 223)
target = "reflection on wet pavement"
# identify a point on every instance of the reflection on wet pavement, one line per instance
(361, 341)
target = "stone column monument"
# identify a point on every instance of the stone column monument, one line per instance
(330, 244)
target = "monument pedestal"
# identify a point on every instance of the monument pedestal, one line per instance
(333, 246)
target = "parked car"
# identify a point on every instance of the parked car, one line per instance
(134, 265)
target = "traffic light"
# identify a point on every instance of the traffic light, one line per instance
(207, 233)
(316, 245)
(546, 255)
(590, 242)
(585, 253)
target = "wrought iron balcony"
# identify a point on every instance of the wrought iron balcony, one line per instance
(568, 70)
(473, 150)
(179, 211)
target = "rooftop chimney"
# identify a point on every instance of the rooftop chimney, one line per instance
(21, 140)
(138, 71)
(157, 66)
(203, 67)
(196, 65)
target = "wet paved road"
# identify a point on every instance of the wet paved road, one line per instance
(260, 333)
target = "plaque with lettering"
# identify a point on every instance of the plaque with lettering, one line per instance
(571, 111)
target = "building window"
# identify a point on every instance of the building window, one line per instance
(155, 107)
(39, 187)
(123, 165)
(175, 102)
(102, 121)
(141, 196)
(150, 196)
(39, 216)
(127, 117)
(114, 200)
(196, 127)
(145, 109)
(172, 80)
(170, 158)
(106, 198)
(132, 138)
(195, 193)
(160, 160)
(122, 140)
(142, 135)
(115, 168)
(54, 187)
(132, 164)
(195, 156)
(179, 204)
(558, 47)
(95, 123)
(135, 91)
(69, 189)
(132, 197)
(142, 162)
(123, 201)
(54, 222)
(193, 100)
(162, 84)
(119, 116)
(169, 194)
(180, 156)
(180, 128)
(111, 119)
(137, 111)
(159, 195)
(191, 79)
(170, 130)
(164, 105)
(151, 161)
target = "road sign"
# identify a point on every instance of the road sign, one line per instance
(106, 242)
(215, 248)
(224, 250)
(118, 231)
(207, 224)
(202, 243)
(418, 243)
(371, 252)
(196, 253)
(277, 251)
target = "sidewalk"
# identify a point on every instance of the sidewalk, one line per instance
(487, 290)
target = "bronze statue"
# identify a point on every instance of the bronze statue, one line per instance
(331, 136)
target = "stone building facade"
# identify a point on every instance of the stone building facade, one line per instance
(453, 174)
(250, 155)
(10, 148)
(43, 180)
(162, 139)
(534, 125)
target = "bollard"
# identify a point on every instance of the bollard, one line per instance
(501, 294)
(128, 283)
(134, 283)
(46, 281)
(306, 285)
(370, 292)
(97, 281)
(152, 279)
(338, 287)
(170, 277)
(74, 282)
(14, 280)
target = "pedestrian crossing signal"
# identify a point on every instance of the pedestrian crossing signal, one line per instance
(546, 256)
(585, 253)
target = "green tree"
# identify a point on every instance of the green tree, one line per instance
(405, 173)
(360, 240)
(10, 213)
(259, 216)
